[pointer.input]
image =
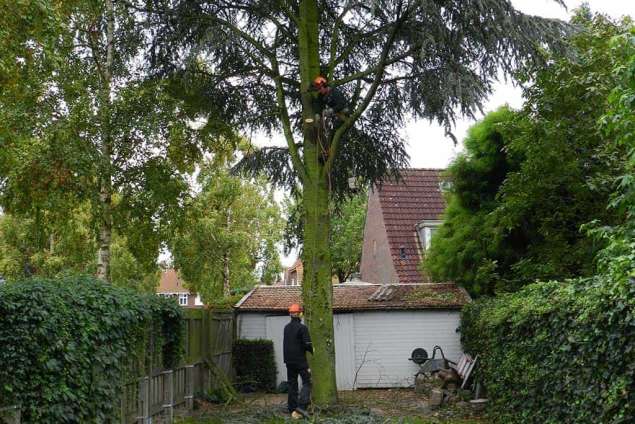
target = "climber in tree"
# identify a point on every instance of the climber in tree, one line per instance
(333, 102)
(332, 110)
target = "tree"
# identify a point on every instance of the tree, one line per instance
(346, 237)
(529, 180)
(82, 123)
(68, 248)
(251, 64)
(229, 235)
(467, 248)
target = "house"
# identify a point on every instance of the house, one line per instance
(293, 275)
(376, 327)
(171, 285)
(400, 220)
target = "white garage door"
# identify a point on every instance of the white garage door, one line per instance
(385, 340)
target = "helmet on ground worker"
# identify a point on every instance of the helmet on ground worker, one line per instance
(295, 309)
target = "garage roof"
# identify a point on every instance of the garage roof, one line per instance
(351, 297)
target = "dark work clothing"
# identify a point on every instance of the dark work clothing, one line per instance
(296, 343)
(305, 394)
(336, 101)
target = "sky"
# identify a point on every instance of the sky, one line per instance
(427, 145)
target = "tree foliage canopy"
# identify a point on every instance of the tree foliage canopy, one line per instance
(229, 236)
(83, 122)
(529, 180)
(240, 61)
(345, 238)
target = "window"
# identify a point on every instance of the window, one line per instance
(183, 299)
(425, 231)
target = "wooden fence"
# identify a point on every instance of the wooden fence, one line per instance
(153, 398)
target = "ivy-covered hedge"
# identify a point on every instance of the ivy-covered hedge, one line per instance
(255, 364)
(557, 352)
(65, 345)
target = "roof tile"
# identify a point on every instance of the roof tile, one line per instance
(351, 297)
(417, 197)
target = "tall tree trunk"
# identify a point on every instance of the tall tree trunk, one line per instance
(317, 291)
(105, 180)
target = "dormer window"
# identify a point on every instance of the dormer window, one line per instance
(425, 231)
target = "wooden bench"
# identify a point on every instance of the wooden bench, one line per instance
(464, 367)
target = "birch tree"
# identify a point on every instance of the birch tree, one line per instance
(82, 123)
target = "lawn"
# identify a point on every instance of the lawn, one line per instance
(357, 407)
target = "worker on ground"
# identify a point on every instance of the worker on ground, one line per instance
(296, 343)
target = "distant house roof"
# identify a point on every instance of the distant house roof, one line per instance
(404, 204)
(352, 297)
(171, 283)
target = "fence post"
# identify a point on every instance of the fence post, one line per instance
(189, 386)
(168, 394)
(144, 400)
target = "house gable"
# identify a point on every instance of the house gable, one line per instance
(377, 265)
(402, 206)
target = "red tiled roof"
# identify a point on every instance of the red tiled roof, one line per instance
(350, 297)
(404, 204)
(171, 283)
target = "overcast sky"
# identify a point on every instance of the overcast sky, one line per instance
(427, 145)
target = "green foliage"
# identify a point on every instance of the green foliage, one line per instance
(530, 179)
(346, 235)
(54, 244)
(83, 122)
(466, 247)
(228, 238)
(557, 352)
(67, 343)
(255, 364)
(564, 352)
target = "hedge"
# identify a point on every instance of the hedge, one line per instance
(557, 352)
(254, 364)
(66, 345)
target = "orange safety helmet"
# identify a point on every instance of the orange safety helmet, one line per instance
(295, 309)
(319, 81)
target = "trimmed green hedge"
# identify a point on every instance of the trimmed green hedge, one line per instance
(557, 352)
(66, 345)
(255, 364)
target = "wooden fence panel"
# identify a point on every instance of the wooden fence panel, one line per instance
(209, 336)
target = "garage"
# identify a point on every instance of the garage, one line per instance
(376, 327)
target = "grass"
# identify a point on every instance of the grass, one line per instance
(383, 406)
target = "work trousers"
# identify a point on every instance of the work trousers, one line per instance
(305, 394)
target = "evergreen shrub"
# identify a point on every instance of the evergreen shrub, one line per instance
(67, 345)
(557, 352)
(255, 364)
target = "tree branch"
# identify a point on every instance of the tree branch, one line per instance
(379, 73)
(242, 34)
(335, 36)
(284, 118)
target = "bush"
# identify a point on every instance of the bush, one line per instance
(557, 352)
(254, 364)
(67, 343)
